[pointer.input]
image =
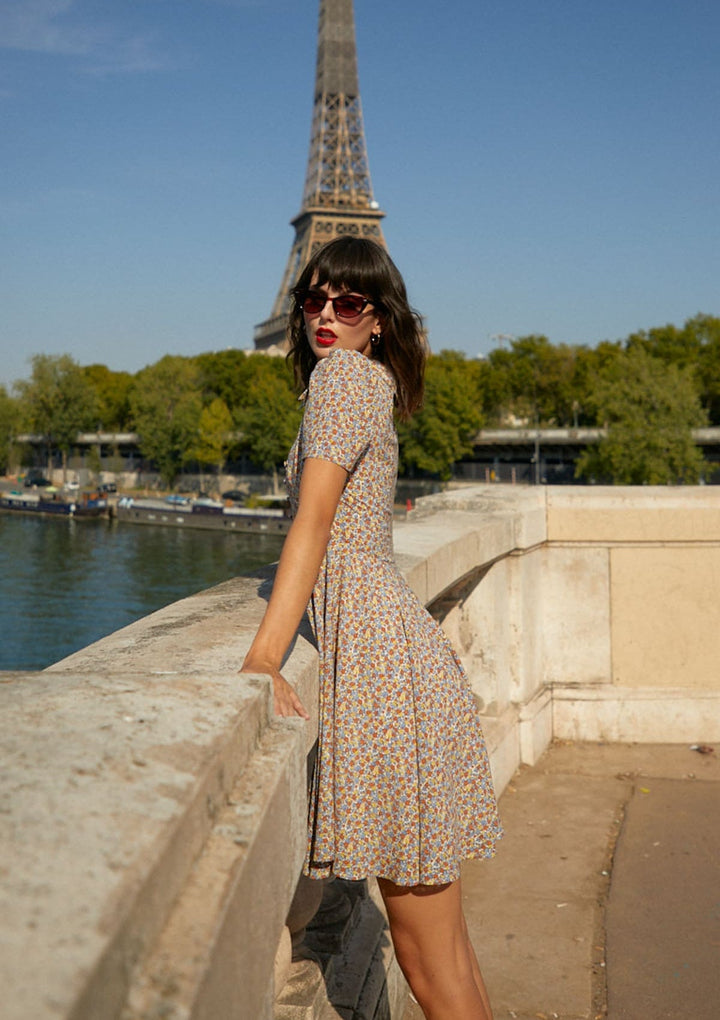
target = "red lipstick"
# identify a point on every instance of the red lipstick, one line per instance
(325, 337)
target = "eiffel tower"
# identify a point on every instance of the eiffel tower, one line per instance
(338, 196)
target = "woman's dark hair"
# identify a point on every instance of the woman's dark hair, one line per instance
(364, 267)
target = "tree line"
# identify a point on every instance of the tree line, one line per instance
(649, 391)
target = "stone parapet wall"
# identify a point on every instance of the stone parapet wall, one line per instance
(603, 598)
(152, 810)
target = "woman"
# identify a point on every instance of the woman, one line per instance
(401, 788)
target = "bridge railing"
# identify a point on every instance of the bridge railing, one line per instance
(153, 809)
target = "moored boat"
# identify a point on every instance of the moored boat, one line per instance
(55, 505)
(208, 514)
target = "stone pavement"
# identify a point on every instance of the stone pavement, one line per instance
(604, 899)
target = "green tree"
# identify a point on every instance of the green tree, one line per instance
(165, 405)
(538, 380)
(441, 433)
(112, 391)
(591, 365)
(496, 391)
(225, 374)
(216, 434)
(696, 346)
(707, 330)
(671, 344)
(650, 409)
(57, 402)
(271, 414)
(8, 427)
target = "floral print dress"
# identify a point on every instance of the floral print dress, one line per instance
(401, 786)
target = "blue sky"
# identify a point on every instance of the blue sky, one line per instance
(546, 166)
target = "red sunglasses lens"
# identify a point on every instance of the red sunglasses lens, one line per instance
(347, 306)
(312, 303)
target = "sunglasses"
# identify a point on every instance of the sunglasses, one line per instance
(346, 306)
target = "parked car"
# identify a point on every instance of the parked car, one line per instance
(37, 482)
(106, 487)
(234, 495)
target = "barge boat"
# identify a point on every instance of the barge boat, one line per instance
(208, 514)
(53, 506)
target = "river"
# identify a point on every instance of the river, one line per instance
(67, 583)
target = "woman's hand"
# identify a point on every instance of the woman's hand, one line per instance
(287, 703)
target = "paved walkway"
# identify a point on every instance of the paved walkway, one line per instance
(604, 900)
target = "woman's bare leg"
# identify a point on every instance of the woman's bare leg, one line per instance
(476, 971)
(434, 951)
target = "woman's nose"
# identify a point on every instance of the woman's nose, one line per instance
(324, 313)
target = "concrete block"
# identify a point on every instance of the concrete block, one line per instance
(645, 715)
(535, 727)
(530, 525)
(485, 635)
(229, 916)
(503, 745)
(632, 514)
(283, 959)
(476, 624)
(396, 993)
(576, 637)
(304, 994)
(110, 787)
(525, 649)
(665, 616)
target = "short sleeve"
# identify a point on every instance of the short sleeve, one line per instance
(341, 409)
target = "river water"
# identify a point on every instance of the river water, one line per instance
(67, 583)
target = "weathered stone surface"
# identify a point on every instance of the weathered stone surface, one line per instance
(626, 513)
(644, 714)
(234, 900)
(675, 640)
(576, 614)
(110, 787)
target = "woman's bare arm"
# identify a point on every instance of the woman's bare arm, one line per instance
(321, 486)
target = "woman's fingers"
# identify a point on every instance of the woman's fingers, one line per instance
(286, 701)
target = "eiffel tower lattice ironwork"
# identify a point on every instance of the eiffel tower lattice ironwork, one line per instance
(338, 198)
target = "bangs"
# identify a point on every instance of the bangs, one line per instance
(350, 267)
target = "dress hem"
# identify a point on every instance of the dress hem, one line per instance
(327, 871)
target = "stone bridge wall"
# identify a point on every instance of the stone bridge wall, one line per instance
(152, 811)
